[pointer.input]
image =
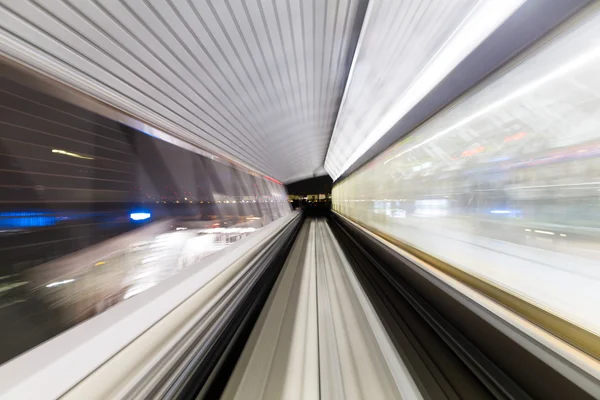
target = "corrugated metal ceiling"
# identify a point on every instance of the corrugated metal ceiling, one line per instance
(259, 81)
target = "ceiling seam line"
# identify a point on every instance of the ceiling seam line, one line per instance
(296, 64)
(285, 58)
(201, 65)
(272, 101)
(280, 99)
(147, 28)
(273, 53)
(214, 63)
(236, 52)
(110, 57)
(221, 51)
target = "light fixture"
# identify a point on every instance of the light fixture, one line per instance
(67, 153)
(53, 284)
(140, 216)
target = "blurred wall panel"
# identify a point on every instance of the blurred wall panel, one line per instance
(71, 179)
(503, 183)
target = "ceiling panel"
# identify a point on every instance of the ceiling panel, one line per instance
(258, 81)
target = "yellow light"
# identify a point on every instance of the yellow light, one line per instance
(100, 263)
(66, 153)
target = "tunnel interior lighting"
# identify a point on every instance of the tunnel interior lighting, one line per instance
(479, 23)
(59, 283)
(68, 153)
(26, 219)
(140, 216)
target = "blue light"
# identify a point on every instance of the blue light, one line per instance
(140, 216)
(501, 212)
(26, 219)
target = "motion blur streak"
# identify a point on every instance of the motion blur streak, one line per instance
(74, 183)
(472, 23)
(502, 183)
(67, 153)
(566, 68)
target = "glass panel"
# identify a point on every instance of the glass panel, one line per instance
(273, 201)
(504, 184)
(264, 200)
(72, 179)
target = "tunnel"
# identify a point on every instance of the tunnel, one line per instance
(299, 199)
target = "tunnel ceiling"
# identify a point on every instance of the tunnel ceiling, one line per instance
(290, 88)
(258, 81)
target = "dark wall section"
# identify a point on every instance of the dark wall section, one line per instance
(313, 186)
(70, 178)
(321, 184)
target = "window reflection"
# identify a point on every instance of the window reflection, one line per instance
(503, 184)
(93, 212)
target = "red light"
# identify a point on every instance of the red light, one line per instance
(517, 136)
(472, 152)
(273, 180)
